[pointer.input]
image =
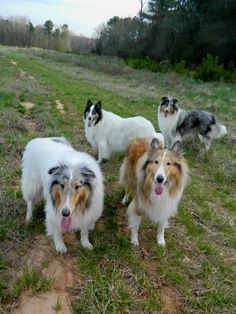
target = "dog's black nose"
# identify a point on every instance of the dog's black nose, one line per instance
(159, 178)
(90, 118)
(65, 212)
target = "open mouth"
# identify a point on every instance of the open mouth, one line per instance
(159, 187)
(66, 224)
(90, 123)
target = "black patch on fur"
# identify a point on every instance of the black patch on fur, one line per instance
(98, 110)
(57, 170)
(87, 173)
(198, 119)
(61, 140)
(87, 108)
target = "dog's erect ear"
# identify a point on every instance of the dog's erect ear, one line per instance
(98, 105)
(177, 147)
(57, 170)
(175, 103)
(89, 103)
(155, 145)
(87, 172)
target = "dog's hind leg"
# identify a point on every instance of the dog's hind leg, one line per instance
(160, 233)
(134, 222)
(84, 238)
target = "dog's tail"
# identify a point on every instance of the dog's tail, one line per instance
(218, 130)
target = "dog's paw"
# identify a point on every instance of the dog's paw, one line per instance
(60, 247)
(125, 200)
(134, 241)
(87, 245)
(161, 242)
(28, 217)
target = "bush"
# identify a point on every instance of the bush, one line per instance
(210, 69)
(181, 67)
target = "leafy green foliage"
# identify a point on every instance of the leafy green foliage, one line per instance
(210, 69)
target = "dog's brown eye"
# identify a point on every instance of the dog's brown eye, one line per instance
(77, 187)
(62, 186)
(168, 163)
(156, 161)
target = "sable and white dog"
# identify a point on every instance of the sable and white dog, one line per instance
(156, 177)
(70, 182)
(175, 123)
(110, 133)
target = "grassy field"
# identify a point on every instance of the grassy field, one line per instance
(43, 94)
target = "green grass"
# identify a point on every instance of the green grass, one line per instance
(198, 263)
(31, 278)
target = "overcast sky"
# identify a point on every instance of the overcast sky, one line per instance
(82, 16)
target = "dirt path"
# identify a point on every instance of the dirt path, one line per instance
(61, 268)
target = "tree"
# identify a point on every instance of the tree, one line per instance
(48, 27)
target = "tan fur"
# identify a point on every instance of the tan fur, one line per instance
(135, 150)
(170, 109)
(57, 195)
(173, 163)
(80, 198)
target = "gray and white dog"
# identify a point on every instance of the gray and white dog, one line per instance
(175, 123)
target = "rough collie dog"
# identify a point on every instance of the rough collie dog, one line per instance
(156, 177)
(71, 184)
(110, 133)
(175, 122)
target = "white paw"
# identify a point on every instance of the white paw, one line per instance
(60, 247)
(161, 242)
(134, 241)
(125, 200)
(28, 217)
(87, 245)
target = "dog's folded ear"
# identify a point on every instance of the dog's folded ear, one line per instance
(177, 147)
(164, 99)
(57, 170)
(155, 144)
(85, 171)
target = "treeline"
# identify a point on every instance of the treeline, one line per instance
(173, 30)
(19, 31)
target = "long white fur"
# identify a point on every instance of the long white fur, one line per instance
(161, 207)
(41, 154)
(113, 133)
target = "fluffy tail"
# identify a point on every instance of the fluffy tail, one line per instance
(218, 130)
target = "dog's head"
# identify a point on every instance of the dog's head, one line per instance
(164, 169)
(92, 113)
(168, 106)
(70, 190)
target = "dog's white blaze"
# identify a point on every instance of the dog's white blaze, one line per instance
(161, 169)
(90, 111)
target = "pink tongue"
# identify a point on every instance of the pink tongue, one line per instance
(159, 189)
(90, 123)
(66, 223)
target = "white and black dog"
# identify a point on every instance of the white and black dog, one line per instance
(70, 182)
(110, 133)
(175, 123)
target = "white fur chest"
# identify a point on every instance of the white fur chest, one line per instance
(167, 124)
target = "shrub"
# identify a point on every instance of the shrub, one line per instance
(210, 69)
(181, 67)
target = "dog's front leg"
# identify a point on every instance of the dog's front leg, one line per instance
(134, 223)
(103, 151)
(84, 239)
(55, 231)
(160, 233)
(59, 243)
